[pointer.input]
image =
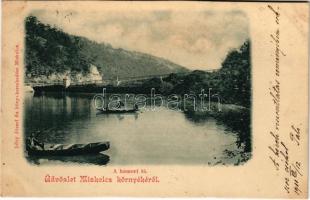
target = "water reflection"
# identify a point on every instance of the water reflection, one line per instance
(238, 122)
(120, 116)
(97, 159)
(161, 137)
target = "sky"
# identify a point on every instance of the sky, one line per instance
(194, 39)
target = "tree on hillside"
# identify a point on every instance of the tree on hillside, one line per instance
(50, 50)
(235, 76)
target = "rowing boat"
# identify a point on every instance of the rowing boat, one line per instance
(117, 111)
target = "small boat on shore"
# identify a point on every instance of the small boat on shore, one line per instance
(117, 111)
(67, 149)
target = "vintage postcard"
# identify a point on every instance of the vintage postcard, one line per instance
(154, 99)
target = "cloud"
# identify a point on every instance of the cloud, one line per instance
(195, 39)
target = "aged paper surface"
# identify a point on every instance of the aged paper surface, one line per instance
(245, 66)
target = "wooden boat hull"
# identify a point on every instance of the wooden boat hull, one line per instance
(69, 150)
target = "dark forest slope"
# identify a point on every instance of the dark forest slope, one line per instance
(50, 50)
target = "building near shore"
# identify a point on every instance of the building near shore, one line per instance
(66, 81)
(94, 74)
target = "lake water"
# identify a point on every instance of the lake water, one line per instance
(150, 137)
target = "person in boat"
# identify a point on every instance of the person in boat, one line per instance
(106, 107)
(120, 104)
(33, 143)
